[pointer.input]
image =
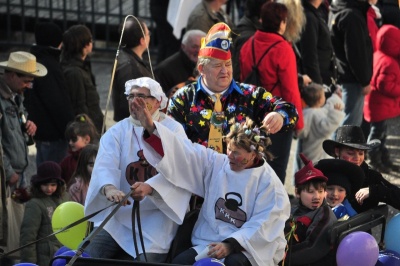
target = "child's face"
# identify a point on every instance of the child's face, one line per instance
(312, 198)
(79, 142)
(335, 195)
(48, 188)
(90, 165)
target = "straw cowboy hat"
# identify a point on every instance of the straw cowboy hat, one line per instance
(349, 136)
(24, 63)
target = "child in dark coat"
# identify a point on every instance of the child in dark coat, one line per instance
(48, 191)
(307, 229)
(344, 179)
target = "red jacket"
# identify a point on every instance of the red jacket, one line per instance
(384, 100)
(277, 67)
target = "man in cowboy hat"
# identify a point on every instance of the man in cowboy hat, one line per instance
(350, 145)
(19, 71)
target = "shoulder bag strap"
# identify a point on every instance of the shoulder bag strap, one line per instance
(266, 51)
(259, 61)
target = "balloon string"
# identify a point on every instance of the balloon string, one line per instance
(57, 232)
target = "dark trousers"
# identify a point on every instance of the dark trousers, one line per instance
(280, 148)
(378, 131)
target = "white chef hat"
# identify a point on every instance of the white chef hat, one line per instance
(154, 87)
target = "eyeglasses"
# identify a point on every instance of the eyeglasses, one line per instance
(130, 97)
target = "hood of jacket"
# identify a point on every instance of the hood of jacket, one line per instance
(339, 5)
(388, 40)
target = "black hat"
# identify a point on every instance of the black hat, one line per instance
(308, 172)
(342, 173)
(48, 34)
(350, 136)
(46, 172)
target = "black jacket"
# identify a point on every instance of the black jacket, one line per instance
(175, 69)
(48, 101)
(129, 66)
(82, 90)
(315, 47)
(245, 28)
(380, 190)
(351, 41)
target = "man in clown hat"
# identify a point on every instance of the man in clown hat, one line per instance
(19, 71)
(207, 106)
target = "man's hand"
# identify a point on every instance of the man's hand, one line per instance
(366, 89)
(114, 195)
(13, 179)
(219, 250)
(143, 115)
(30, 128)
(273, 122)
(140, 190)
(306, 80)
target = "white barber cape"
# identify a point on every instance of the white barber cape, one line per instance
(118, 149)
(251, 205)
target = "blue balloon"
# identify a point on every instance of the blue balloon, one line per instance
(357, 248)
(208, 262)
(388, 258)
(392, 234)
(61, 250)
(25, 264)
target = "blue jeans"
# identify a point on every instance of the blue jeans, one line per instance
(105, 247)
(51, 150)
(233, 259)
(280, 148)
(353, 98)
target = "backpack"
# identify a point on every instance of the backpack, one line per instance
(254, 76)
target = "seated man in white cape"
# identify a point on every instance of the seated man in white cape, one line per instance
(119, 164)
(245, 204)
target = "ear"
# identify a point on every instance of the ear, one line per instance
(86, 139)
(143, 41)
(296, 192)
(337, 151)
(200, 68)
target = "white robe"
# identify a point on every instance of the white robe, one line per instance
(118, 148)
(261, 197)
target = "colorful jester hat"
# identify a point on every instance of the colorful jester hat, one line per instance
(216, 43)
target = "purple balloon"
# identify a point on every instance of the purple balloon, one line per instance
(358, 248)
(208, 262)
(61, 250)
(388, 258)
(68, 253)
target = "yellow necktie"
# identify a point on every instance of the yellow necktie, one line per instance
(217, 119)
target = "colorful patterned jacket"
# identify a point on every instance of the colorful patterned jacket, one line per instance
(193, 107)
